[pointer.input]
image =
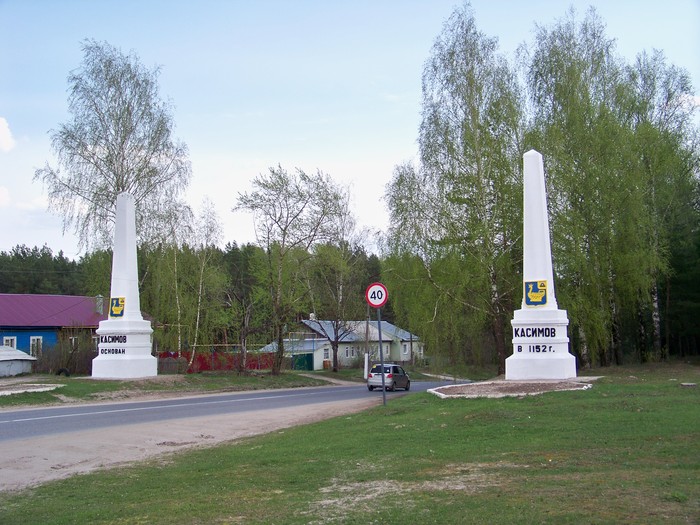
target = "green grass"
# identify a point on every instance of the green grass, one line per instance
(88, 389)
(625, 451)
(345, 374)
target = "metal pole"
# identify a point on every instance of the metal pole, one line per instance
(381, 353)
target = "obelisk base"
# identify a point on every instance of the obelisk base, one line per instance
(124, 350)
(540, 346)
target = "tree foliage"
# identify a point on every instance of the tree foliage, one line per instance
(337, 279)
(247, 301)
(119, 139)
(25, 270)
(618, 171)
(459, 209)
(621, 156)
(293, 212)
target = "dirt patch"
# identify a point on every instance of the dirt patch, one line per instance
(503, 388)
(19, 388)
(335, 500)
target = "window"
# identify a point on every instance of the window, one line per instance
(326, 354)
(35, 345)
(10, 341)
(347, 352)
(405, 349)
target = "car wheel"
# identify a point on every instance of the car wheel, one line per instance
(408, 386)
(370, 388)
(392, 387)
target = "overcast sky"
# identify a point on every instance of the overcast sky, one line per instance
(318, 85)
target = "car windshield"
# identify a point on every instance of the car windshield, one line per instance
(378, 368)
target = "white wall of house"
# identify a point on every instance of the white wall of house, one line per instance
(322, 353)
(352, 353)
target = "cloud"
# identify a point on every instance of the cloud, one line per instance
(7, 142)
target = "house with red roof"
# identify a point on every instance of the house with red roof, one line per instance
(30, 322)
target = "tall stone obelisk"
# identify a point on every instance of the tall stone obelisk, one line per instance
(540, 339)
(124, 349)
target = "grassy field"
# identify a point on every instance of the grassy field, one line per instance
(625, 451)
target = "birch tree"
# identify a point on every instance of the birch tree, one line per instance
(462, 204)
(666, 149)
(207, 234)
(246, 295)
(119, 139)
(292, 212)
(611, 136)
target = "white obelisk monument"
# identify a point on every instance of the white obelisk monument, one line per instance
(540, 339)
(124, 349)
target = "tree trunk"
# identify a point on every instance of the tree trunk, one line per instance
(177, 306)
(642, 338)
(279, 354)
(659, 352)
(615, 341)
(500, 344)
(334, 346)
(583, 352)
(243, 362)
(667, 318)
(277, 310)
(498, 324)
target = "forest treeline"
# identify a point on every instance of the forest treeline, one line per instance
(206, 296)
(620, 146)
(235, 307)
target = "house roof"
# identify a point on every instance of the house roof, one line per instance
(356, 331)
(323, 329)
(394, 332)
(35, 310)
(327, 329)
(7, 353)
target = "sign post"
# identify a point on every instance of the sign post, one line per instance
(376, 296)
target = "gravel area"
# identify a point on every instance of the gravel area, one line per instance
(503, 388)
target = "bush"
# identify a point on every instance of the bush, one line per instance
(71, 354)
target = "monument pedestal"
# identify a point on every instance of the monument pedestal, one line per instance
(540, 346)
(124, 350)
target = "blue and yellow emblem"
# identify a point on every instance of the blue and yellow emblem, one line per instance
(116, 306)
(535, 293)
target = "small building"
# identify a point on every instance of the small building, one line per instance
(31, 322)
(310, 347)
(14, 362)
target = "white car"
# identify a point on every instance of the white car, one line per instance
(394, 377)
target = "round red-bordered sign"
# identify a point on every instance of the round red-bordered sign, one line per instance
(376, 295)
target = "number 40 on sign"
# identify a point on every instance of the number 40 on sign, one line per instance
(376, 295)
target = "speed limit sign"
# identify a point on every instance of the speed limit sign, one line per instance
(376, 295)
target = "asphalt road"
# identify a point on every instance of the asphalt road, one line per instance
(42, 422)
